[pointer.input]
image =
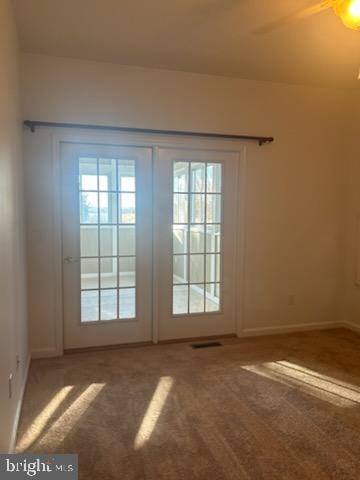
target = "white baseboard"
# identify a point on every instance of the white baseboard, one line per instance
(19, 406)
(46, 353)
(301, 327)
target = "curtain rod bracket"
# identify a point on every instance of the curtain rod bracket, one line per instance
(32, 124)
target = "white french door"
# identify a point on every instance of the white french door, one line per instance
(196, 220)
(107, 244)
(149, 243)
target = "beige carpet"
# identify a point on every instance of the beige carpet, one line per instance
(281, 407)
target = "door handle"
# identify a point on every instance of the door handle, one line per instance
(70, 260)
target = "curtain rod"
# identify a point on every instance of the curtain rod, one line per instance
(32, 124)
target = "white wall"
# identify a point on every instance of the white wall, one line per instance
(13, 335)
(294, 201)
(351, 240)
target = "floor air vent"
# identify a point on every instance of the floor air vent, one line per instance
(206, 345)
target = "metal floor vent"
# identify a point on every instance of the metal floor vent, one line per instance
(206, 345)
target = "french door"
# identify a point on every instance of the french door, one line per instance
(107, 244)
(149, 243)
(196, 219)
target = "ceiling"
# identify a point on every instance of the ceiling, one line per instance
(204, 36)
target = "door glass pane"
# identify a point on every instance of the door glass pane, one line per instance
(108, 207)
(108, 240)
(213, 268)
(197, 208)
(89, 236)
(108, 234)
(214, 177)
(181, 177)
(108, 304)
(213, 238)
(89, 182)
(213, 208)
(88, 175)
(127, 207)
(212, 297)
(180, 238)
(89, 212)
(127, 303)
(90, 306)
(127, 271)
(197, 298)
(126, 175)
(196, 268)
(180, 299)
(107, 174)
(196, 237)
(180, 268)
(181, 208)
(89, 273)
(108, 276)
(127, 240)
(197, 177)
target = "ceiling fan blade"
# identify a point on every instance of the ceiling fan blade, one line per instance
(295, 17)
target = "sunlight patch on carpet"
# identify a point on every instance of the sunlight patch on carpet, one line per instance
(38, 425)
(68, 420)
(153, 411)
(330, 389)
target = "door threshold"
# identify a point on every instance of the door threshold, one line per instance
(196, 339)
(69, 351)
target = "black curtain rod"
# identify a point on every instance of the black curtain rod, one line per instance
(32, 124)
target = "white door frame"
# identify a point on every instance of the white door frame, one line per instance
(155, 142)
